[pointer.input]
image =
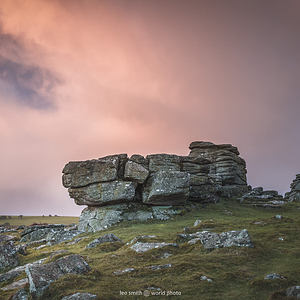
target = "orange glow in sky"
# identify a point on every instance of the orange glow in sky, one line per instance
(84, 79)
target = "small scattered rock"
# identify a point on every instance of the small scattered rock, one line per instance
(197, 222)
(273, 276)
(279, 217)
(141, 238)
(107, 238)
(153, 288)
(143, 247)
(211, 240)
(281, 238)
(259, 223)
(80, 296)
(127, 270)
(50, 233)
(159, 267)
(58, 252)
(166, 255)
(75, 241)
(205, 278)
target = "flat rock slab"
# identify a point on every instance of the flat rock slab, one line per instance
(82, 173)
(104, 193)
(41, 276)
(211, 240)
(144, 247)
(80, 296)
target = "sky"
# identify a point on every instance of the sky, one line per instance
(81, 79)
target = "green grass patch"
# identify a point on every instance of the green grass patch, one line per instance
(237, 273)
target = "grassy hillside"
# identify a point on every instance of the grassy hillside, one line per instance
(28, 220)
(236, 273)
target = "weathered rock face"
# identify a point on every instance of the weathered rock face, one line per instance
(83, 173)
(260, 198)
(209, 172)
(167, 188)
(94, 219)
(227, 171)
(41, 276)
(294, 194)
(8, 255)
(135, 172)
(104, 193)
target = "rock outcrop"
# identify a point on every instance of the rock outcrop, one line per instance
(118, 187)
(294, 194)
(260, 198)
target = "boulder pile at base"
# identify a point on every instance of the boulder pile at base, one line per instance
(294, 194)
(118, 187)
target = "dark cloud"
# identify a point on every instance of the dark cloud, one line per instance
(27, 83)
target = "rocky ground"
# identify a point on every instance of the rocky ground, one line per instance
(218, 251)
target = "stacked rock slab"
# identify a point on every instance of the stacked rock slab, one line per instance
(294, 194)
(221, 171)
(135, 185)
(260, 198)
